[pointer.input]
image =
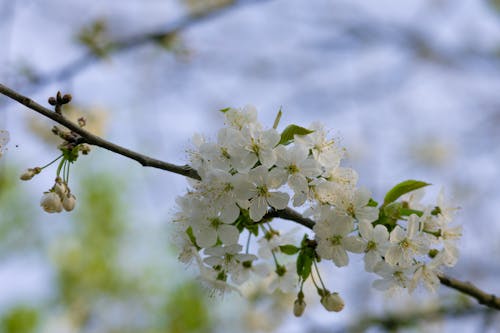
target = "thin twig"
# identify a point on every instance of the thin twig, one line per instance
(467, 288)
(87, 137)
(490, 300)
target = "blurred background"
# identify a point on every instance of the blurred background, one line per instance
(411, 88)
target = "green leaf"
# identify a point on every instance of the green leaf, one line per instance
(408, 212)
(289, 249)
(225, 110)
(403, 188)
(290, 131)
(372, 203)
(304, 263)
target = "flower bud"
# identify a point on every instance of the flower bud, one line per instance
(60, 188)
(332, 302)
(51, 202)
(69, 202)
(298, 307)
(30, 173)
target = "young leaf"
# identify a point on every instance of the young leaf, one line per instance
(403, 188)
(289, 249)
(225, 110)
(290, 131)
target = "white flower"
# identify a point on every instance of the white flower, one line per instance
(405, 245)
(354, 203)
(393, 277)
(445, 210)
(240, 118)
(331, 235)
(324, 150)
(427, 273)
(51, 202)
(210, 224)
(294, 166)
(261, 196)
(284, 278)
(272, 241)
(377, 241)
(227, 258)
(260, 145)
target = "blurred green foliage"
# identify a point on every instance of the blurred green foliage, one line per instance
(91, 288)
(20, 319)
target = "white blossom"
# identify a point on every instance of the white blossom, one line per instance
(405, 245)
(333, 242)
(377, 241)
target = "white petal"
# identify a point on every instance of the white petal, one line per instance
(278, 200)
(354, 244)
(228, 234)
(380, 234)
(258, 208)
(339, 256)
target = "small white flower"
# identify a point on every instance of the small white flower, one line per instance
(393, 277)
(333, 242)
(294, 166)
(405, 245)
(272, 241)
(354, 203)
(261, 196)
(427, 274)
(324, 150)
(240, 118)
(377, 241)
(284, 278)
(51, 202)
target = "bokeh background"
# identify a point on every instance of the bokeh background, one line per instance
(411, 88)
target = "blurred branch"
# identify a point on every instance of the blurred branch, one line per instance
(114, 47)
(467, 288)
(394, 321)
(489, 300)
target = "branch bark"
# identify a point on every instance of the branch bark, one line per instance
(484, 298)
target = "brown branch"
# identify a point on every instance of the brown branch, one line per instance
(125, 44)
(87, 137)
(467, 288)
(489, 300)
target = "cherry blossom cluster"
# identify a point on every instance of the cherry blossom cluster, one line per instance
(249, 173)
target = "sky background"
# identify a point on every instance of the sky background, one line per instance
(410, 89)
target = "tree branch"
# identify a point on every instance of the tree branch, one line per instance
(490, 300)
(87, 137)
(122, 45)
(467, 288)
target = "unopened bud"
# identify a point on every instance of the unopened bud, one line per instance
(30, 173)
(332, 302)
(298, 307)
(60, 188)
(69, 202)
(52, 101)
(66, 99)
(51, 202)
